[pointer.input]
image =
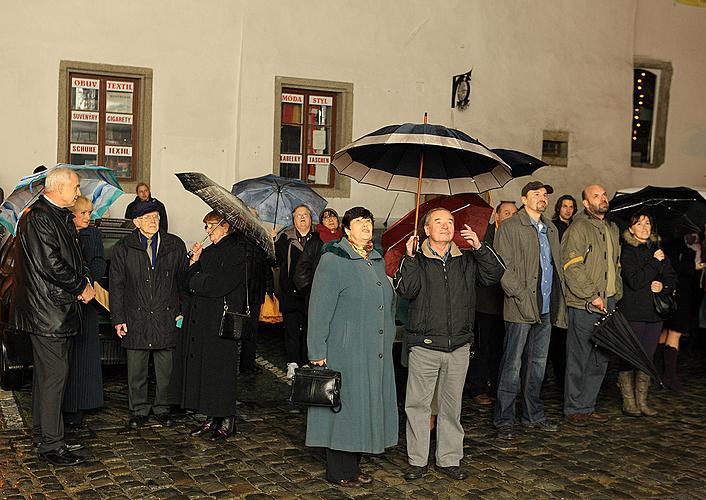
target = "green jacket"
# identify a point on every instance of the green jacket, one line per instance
(516, 241)
(585, 260)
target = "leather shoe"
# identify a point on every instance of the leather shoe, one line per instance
(164, 419)
(577, 419)
(415, 472)
(207, 427)
(62, 456)
(454, 472)
(482, 400)
(353, 483)
(599, 418)
(70, 445)
(364, 478)
(137, 421)
(505, 432)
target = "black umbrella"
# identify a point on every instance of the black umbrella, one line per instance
(676, 211)
(521, 163)
(613, 333)
(233, 210)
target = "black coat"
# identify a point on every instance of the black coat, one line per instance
(288, 250)
(163, 222)
(146, 299)
(639, 270)
(84, 387)
(489, 299)
(443, 296)
(49, 273)
(209, 363)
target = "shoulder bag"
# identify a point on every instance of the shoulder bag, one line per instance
(317, 386)
(665, 304)
(234, 325)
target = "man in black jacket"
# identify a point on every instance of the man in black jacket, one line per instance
(146, 271)
(144, 196)
(440, 282)
(50, 280)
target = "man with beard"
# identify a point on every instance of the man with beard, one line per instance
(534, 300)
(591, 257)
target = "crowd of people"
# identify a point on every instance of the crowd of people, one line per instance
(481, 319)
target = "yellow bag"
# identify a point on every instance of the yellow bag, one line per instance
(269, 311)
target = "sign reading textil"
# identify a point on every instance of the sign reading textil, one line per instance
(118, 151)
(118, 86)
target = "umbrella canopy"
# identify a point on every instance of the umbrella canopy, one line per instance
(521, 163)
(233, 210)
(613, 333)
(676, 211)
(98, 184)
(466, 208)
(454, 162)
(275, 197)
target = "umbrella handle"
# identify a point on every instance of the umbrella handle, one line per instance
(419, 185)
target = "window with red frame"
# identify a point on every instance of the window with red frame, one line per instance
(103, 122)
(307, 136)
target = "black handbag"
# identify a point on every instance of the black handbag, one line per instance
(317, 386)
(234, 325)
(665, 304)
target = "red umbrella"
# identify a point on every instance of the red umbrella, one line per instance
(466, 208)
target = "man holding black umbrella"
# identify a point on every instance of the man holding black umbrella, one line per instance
(591, 257)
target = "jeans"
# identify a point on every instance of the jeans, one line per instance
(585, 364)
(524, 360)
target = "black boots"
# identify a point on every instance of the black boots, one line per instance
(225, 430)
(207, 427)
(670, 369)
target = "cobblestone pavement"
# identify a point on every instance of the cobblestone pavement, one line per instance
(663, 457)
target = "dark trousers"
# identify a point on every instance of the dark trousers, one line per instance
(295, 337)
(648, 334)
(51, 371)
(585, 364)
(342, 465)
(557, 354)
(137, 382)
(248, 347)
(482, 377)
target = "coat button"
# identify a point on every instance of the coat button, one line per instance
(380, 355)
(370, 263)
(381, 307)
(381, 332)
(379, 283)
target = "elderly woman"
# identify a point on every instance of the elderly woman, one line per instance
(216, 274)
(351, 329)
(645, 271)
(84, 388)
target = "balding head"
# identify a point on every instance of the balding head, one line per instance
(595, 200)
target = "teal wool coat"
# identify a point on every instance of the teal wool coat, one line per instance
(351, 324)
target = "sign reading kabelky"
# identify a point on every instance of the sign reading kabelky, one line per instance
(118, 151)
(86, 83)
(84, 116)
(84, 149)
(289, 158)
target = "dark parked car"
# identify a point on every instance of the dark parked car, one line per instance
(15, 347)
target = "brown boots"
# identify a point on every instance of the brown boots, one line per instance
(634, 387)
(627, 390)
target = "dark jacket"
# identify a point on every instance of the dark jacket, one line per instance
(443, 295)
(49, 273)
(489, 299)
(561, 226)
(288, 250)
(517, 244)
(639, 270)
(210, 362)
(306, 265)
(163, 222)
(146, 299)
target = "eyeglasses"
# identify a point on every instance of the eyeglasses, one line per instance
(152, 217)
(212, 225)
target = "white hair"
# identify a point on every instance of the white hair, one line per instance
(56, 177)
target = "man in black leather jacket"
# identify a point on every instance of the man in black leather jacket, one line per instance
(50, 280)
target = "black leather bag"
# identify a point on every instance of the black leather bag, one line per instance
(234, 325)
(665, 304)
(317, 386)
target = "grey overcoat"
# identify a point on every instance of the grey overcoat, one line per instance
(351, 324)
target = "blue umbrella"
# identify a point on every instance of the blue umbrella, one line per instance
(98, 184)
(275, 197)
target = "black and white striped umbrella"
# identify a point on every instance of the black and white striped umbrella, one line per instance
(453, 162)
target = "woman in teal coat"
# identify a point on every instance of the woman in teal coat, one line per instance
(351, 329)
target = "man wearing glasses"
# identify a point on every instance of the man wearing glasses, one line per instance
(145, 274)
